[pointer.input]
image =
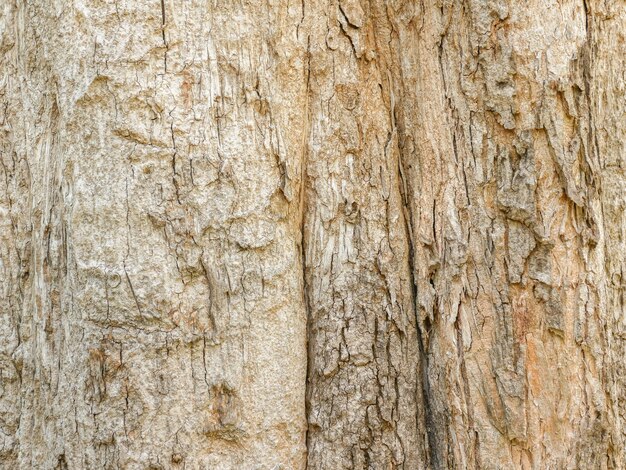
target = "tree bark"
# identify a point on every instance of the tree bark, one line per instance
(319, 234)
(365, 406)
(162, 321)
(502, 161)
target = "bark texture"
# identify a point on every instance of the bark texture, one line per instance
(333, 234)
(155, 313)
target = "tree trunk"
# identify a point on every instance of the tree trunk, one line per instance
(326, 234)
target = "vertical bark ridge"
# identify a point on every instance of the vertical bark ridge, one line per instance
(605, 72)
(363, 352)
(15, 180)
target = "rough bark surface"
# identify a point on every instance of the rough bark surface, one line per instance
(360, 234)
(502, 160)
(365, 407)
(155, 313)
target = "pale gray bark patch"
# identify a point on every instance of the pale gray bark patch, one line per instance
(162, 324)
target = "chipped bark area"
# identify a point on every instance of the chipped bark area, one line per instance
(504, 179)
(324, 234)
(364, 393)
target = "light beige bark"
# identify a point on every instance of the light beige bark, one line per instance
(152, 158)
(606, 72)
(435, 188)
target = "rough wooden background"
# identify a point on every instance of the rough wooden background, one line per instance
(271, 234)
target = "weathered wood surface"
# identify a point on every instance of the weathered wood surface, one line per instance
(335, 234)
